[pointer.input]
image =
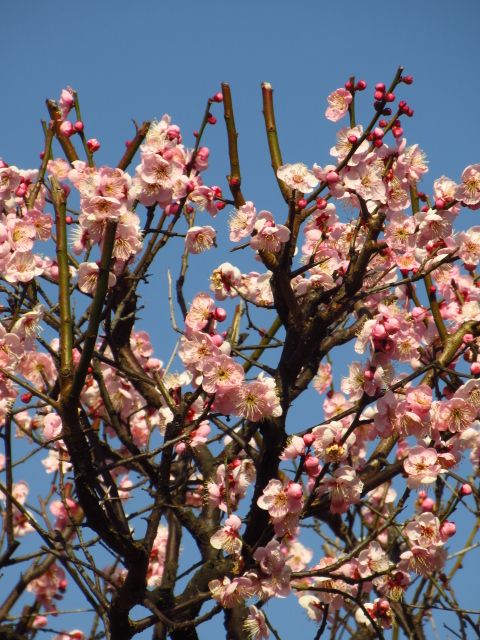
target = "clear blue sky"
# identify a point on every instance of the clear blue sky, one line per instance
(140, 59)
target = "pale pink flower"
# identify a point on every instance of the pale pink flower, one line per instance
(257, 400)
(323, 379)
(156, 563)
(225, 280)
(65, 512)
(338, 103)
(421, 466)
(454, 415)
(49, 585)
(200, 313)
(276, 573)
(411, 164)
(75, 634)
(221, 373)
(344, 146)
(297, 555)
(268, 236)
(88, 273)
(372, 560)
(379, 611)
(199, 239)
(345, 489)
(424, 531)
(22, 267)
(329, 444)
(255, 625)
(195, 350)
(295, 447)
(228, 538)
(297, 176)
(22, 233)
(230, 593)
(279, 499)
(241, 221)
(59, 168)
(468, 191)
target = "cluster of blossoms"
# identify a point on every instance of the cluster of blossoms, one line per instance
(429, 419)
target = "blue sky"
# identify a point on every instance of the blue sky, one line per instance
(145, 58)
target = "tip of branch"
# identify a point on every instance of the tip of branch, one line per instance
(266, 85)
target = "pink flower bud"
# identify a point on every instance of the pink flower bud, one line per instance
(361, 85)
(465, 490)
(468, 338)
(392, 325)
(217, 339)
(308, 439)
(78, 126)
(93, 145)
(302, 203)
(39, 622)
(378, 95)
(380, 86)
(211, 119)
(439, 203)
(427, 505)
(379, 331)
(321, 203)
(312, 466)
(294, 490)
(389, 97)
(332, 177)
(369, 374)
(475, 368)
(397, 132)
(218, 97)
(171, 209)
(220, 314)
(180, 448)
(66, 128)
(352, 138)
(447, 530)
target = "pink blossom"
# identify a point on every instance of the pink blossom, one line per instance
(338, 103)
(228, 538)
(225, 280)
(257, 400)
(200, 239)
(344, 487)
(88, 273)
(255, 625)
(268, 236)
(280, 499)
(329, 443)
(200, 312)
(49, 585)
(323, 379)
(230, 593)
(297, 176)
(241, 221)
(295, 447)
(421, 466)
(468, 191)
(221, 373)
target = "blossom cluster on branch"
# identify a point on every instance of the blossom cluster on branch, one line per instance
(355, 511)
